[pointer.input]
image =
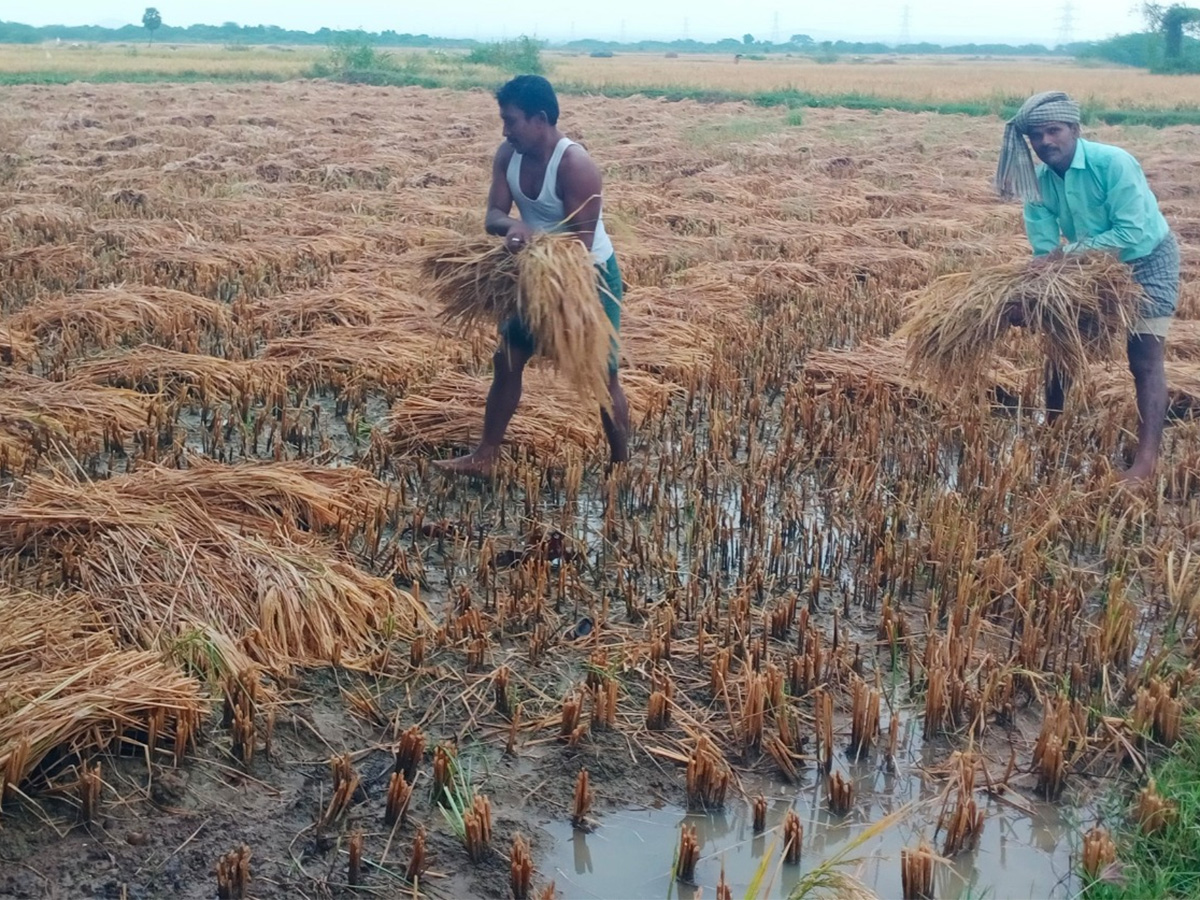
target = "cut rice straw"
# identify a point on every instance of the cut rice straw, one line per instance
(883, 363)
(169, 557)
(69, 688)
(447, 414)
(1081, 305)
(551, 286)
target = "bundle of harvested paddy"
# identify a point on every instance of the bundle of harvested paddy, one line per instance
(1183, 341)
(82, 418)
(550, 285)
(187, 377)
(28, 271)
(1114, 388)
(162, 570)
(892, 267)
(448, 413)
(70, 691)
(293, 498)
(707, 297)
(47, 222)
(357, 357)
(671, 347)
(884, 363)
(1081, 305)
(361, 294)
(106, 317)
(259, 265)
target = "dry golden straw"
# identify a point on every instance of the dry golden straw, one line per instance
(550, 286)
(69, 687)
(1081, 306)
(177, 558)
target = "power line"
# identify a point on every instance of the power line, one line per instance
(775, 29)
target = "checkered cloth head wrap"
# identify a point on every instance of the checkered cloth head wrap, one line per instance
(1015, 175)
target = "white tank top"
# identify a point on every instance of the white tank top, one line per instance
(546, 211)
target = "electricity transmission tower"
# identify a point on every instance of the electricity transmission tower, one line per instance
(1066, 23)
(905, 34)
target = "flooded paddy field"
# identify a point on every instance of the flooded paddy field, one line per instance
(258, 644)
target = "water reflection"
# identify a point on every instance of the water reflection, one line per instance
(630, 854)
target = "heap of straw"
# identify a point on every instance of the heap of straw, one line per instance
(68, 685)
(104, 318)
(1081, 305)
(170, 557)
(883, 363)
(36, 414)
(550, 286)
(447, 413)
(1183, 387)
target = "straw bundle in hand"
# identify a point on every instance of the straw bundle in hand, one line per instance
(550, 286)
(1081, 306)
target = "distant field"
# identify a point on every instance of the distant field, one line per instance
(88, 60)
(927, 80)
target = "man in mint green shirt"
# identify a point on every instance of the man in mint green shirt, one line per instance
(1095, 197)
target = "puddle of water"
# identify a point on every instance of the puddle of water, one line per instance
(631, 853)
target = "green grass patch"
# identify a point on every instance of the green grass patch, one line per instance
(1166, 865)
(185, 76)
(735, 130)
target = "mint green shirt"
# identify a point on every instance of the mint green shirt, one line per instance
(1102, 203)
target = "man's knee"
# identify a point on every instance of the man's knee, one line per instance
(1145, 356)
(509, 359)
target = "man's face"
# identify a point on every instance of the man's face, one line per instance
(520, 130)
(1054, 143)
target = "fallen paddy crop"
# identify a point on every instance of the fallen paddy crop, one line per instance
(812, 570)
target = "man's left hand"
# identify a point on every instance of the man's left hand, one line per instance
(1046, 259)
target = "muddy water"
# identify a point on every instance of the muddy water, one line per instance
(630, 854)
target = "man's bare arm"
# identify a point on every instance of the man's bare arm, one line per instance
(580, 185)
(500, 199)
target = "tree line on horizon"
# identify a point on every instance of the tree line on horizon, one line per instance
(232, 32)
(1165, 47)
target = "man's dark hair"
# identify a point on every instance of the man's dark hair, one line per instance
(531, 94)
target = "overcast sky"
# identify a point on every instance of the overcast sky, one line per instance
(1011, 20)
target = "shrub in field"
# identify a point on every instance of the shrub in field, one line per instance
(350, 53)
(356, 61)
(522, 56)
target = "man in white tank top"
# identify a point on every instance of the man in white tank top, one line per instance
(556, 187)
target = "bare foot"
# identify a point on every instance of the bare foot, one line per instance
(480, 464)
(1137, 474)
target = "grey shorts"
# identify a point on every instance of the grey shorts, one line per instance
(1158, 274)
